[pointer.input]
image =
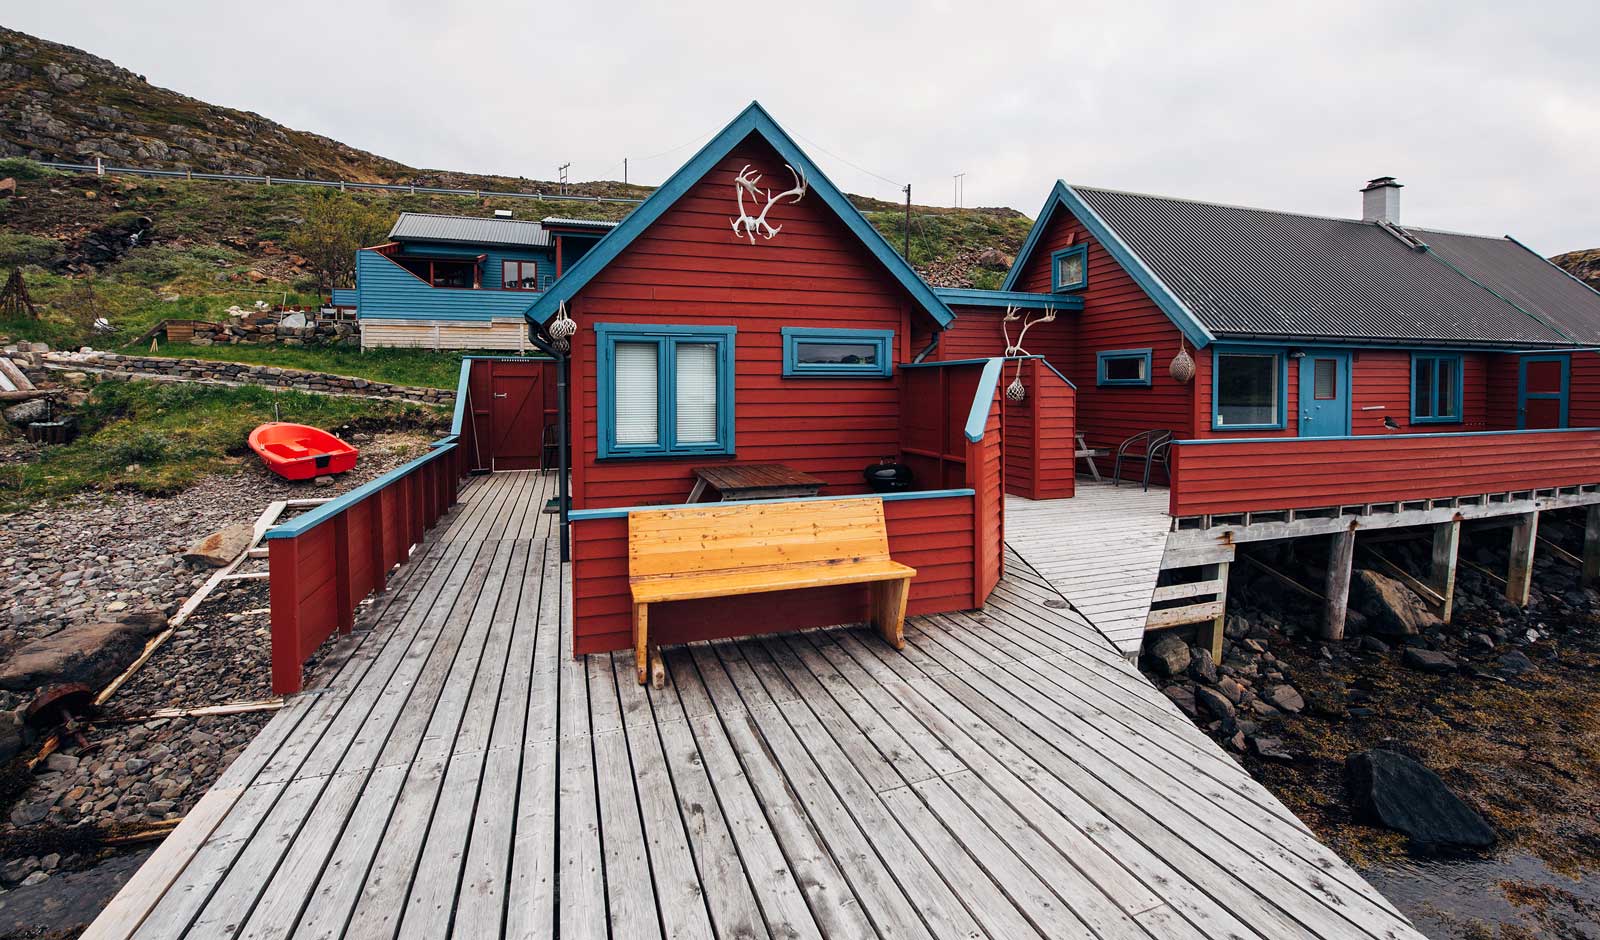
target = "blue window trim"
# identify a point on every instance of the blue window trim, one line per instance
(1522, 387)
(607, 335)
(1459, 391)
(794, 368)
(1081, 250)
(1282, 354)
(1100, 359)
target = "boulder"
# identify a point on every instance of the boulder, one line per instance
(1183, 697)
(1285, 697)
(1169, 655)
(1214, 703)
(90, 653)
(1396, 792)
(1389, 606)
(36, 409)
(1202, 668)
(293, 321)
(1428, 660)
(994, 259)
(13, 735)
(1516, 663)
(1271, 749)
(221, 547)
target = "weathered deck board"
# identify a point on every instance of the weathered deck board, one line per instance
(1101, 549)
(1008, 775)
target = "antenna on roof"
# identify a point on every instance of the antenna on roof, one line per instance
(562, 169)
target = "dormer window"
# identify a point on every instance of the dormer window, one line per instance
(1070, 269)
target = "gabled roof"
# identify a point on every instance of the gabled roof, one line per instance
(428, 227)
(754, 119)
(1222, 271)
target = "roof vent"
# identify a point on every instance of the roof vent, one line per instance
(502, 213)
(1380, 201)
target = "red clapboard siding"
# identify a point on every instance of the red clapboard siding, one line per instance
(976, 334)
(1117, 314)
(1252, 475)
(1039, 429)
(986, 475)
(1583, 407)
(932, 535)
(689, 268)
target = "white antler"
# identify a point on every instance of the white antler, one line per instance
(1015, 391)
(748, 226)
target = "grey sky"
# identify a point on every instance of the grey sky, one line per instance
(1488, 112)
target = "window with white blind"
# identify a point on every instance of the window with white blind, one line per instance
(665, 391)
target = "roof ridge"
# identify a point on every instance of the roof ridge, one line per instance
(475, 218)
(1221, 205)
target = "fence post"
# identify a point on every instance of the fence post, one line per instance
(342, 588)
(283, 564)
(380, 552)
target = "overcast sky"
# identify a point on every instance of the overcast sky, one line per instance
(1488, 112)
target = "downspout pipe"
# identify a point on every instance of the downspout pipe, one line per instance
(928, 349)
(562, 367)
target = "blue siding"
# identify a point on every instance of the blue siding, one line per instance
(387, 291)
(344, 297)
(493, 255)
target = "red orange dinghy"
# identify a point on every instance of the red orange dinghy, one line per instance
(297, 452)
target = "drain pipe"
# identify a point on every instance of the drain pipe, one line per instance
(928, 350)
(561, 439)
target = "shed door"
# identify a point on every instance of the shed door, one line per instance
(1542, 392)
(516, 418)
(1325, 394)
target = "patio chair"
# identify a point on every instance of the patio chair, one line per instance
(1151, 446)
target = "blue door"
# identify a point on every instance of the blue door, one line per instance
(1325, 394)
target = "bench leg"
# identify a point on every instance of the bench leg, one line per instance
(889, 610)
(641, 640)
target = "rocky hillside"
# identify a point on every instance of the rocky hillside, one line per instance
(1583, 265)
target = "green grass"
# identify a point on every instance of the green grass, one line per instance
(158, 438)
(420, 367)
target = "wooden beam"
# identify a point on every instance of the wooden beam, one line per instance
(1442, 568)
(1283, 579)
(1560, 553)
(1494, 578)
(1341, 560)
(1417, 585)
(1214, 638)
(1519, 573)
(1179, 616)
(1591, 548)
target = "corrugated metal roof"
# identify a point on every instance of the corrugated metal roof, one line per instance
(578, 223)
(1251, 272)
(427, 227)
(1523, 278)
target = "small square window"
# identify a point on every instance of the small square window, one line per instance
(1435, 389)
(817, 352)
(1069, 268)
(1123, 367)
(1248, 390)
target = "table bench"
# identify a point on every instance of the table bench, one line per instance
(729, 550)
(736, 481)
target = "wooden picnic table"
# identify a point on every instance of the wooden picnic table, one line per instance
(735, 481)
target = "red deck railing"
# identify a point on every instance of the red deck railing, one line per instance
(1211, 477)
(1041, 454)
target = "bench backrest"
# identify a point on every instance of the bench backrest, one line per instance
(732, 536)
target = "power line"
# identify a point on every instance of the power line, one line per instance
(895, 183)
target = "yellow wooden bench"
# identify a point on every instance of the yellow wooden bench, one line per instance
(752, 548)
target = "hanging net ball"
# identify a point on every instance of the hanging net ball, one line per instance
(1015, 391)
(1182, 367)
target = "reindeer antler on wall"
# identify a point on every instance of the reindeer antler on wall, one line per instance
(746, 225)
(1015, 391)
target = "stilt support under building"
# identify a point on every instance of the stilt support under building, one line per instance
(1519, 575)
(1442, 572)
(1341, 558)
(1591, 548)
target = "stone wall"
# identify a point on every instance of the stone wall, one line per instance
(261, 331)
(238, 373)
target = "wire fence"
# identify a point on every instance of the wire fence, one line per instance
(101, 169)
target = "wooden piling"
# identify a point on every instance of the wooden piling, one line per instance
(1519, 576)
(1591, 548)
(1442, 572)
(1341, 561)
(1219, 573)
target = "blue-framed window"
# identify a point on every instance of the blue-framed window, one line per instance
(665, 391)
(1123, 367)
(1069, 268)
(1436, 389)
(808, 351)
(1248, 389)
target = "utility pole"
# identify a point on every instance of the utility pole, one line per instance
(960, 187)
(563, 170)
(624, 171)
(907, 251)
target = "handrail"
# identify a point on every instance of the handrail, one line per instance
(983, 399)
(618, 512)
(457, 418)
(1378, 437)
(302, 523)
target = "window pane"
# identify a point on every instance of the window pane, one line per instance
(1446, 382)
(1069, 270)
(638, 385)
(508, 275)
(1422, 390)
(697, 393)
(1125, 369)
(833, 354)
(1247, 390)
(1325, 379)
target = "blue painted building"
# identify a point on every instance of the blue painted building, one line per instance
(456, 282)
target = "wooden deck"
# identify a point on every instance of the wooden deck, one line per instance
(1008, 776)
(1101, 549)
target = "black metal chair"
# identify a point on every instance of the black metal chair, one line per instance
(1152, 447)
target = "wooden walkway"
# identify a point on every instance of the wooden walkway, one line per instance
(1008, 775)
(1101, 549)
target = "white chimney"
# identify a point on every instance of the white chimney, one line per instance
(1380, 201)
(502, 213)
